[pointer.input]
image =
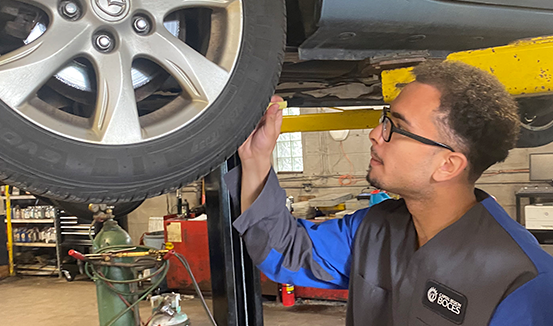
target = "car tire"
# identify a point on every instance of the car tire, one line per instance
(537, 121)
(531, 138)
(47, 164)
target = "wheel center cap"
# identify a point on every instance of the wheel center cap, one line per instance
(111, 10)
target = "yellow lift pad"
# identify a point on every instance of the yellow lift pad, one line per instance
(525, 67)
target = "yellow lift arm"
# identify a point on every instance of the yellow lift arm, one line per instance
(525, 67)
(354, 119)
(348, 119)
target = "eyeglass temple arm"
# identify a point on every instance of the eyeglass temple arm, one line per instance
(422, 139)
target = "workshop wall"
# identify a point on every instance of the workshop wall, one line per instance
(503, 185)
(324, 162)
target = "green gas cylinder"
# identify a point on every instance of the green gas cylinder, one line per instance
(109, 303)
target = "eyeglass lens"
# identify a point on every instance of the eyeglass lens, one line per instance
(386, 129)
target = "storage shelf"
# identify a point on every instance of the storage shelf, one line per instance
(30, 220)
(38, 269)
(35, 244)
(19, 197)
(85, 233)
(77, 227)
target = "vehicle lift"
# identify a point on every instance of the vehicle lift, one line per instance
(525, 67)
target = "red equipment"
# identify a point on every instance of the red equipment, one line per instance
(287, 295)
(189, 237)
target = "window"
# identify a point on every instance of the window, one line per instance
(288, 153)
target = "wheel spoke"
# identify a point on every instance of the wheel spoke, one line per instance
(24, 71)
(160, 8)
(116, 118)
(200, 78)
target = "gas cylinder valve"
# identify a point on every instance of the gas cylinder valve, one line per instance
(101, 212)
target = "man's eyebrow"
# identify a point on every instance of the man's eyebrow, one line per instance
(400, 117)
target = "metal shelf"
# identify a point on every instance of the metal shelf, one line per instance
(35, 244)
(30, 220)
(77, 227)
(85, 233)
(56, 222)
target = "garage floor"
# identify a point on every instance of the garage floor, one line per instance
(49, 301)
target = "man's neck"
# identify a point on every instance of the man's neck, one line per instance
(434, 213)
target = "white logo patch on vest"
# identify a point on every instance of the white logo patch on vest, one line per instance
(432, 294)
(445, 301)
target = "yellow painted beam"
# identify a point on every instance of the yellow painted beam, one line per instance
(393, 81)
(9, 231)
(348, 119)
(525, 67)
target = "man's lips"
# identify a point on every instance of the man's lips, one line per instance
(376, 158)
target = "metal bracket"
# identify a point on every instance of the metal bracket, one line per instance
(235, 280)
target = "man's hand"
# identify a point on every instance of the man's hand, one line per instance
(256, 152)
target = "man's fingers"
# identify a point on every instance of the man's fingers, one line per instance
(278, 121)
(276, 98)
(267, 129)
(247, 141)
(272, 115)
(273, 108)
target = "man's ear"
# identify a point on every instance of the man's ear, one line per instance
(452, 165)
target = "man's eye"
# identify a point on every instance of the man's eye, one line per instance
(401, 128)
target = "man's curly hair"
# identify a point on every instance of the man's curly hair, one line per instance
(476, 112)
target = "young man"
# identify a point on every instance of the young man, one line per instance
(445, 253)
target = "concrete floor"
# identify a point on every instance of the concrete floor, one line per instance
(49, 301)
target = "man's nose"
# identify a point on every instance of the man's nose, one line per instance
(376, 135)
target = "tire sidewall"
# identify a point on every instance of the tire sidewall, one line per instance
(534, 138)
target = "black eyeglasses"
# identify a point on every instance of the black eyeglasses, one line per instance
(388, 128)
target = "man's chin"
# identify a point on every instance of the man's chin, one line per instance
(373, 181)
